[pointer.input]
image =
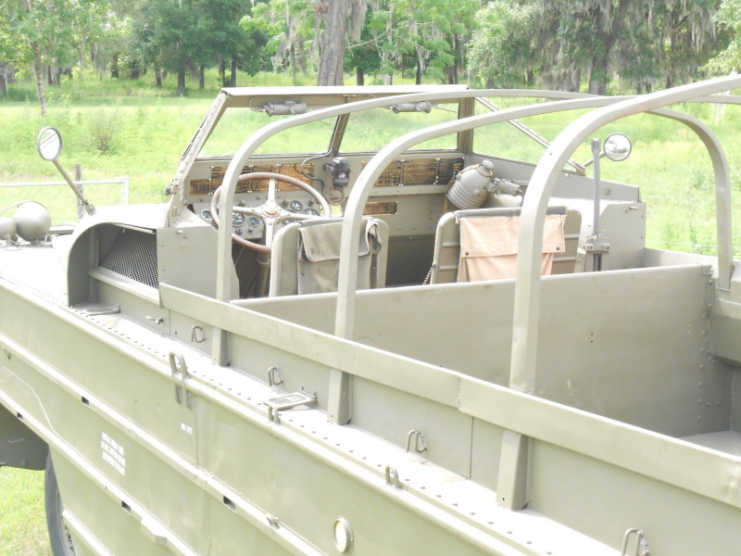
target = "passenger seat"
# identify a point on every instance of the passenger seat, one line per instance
(482, 244)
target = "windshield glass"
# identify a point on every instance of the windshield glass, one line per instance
(371, 130)
(238, 124)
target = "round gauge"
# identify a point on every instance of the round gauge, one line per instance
(206, 214)
(254, 222)
(297, 206)
(238, 220)
(312, 212)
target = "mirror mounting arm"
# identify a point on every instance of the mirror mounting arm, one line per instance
(49, 142)
(89, 208)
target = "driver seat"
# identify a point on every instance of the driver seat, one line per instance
(306, 256)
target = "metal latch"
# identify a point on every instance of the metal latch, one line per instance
(179, 375)
(288, 401)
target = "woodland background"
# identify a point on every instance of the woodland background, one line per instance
(599, 46)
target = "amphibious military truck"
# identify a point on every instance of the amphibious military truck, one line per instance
(337, 338)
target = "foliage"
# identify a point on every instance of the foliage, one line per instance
(729, 19)
(501, 49)
(601, 45)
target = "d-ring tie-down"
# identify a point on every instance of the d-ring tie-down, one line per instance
(420, 444)
(392, 477)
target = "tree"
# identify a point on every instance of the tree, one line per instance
(501, 52)
(42, 33)
(335, 14)
(363, 57)
(166, 35)
(431, 31)
(560, 41)
(90, 21)
(728, 59)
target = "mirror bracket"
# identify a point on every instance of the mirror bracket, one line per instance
(49, 143)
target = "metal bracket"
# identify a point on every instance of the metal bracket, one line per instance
(288, 401)
(641, 546)
(179, 375)
(420, 444)
(392, 477)
(275, 377)
(597, 245)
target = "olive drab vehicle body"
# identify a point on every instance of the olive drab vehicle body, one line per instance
(359, 327)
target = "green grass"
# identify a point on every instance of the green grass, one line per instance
(22, 517)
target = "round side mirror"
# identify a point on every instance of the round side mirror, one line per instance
(617, 147)
(49, 143)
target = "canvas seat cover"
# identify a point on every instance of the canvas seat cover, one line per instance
(319, 257)
(489, 246)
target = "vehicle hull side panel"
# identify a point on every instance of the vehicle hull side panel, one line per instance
(105, 519)
(19, 446)
(308, 495)
(127, 407)
(603, 502)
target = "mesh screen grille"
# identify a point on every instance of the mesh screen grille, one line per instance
(134, 255)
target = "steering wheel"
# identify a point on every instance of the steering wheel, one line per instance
(269, 212)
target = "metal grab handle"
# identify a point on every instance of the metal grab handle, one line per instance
(420, 445)
(180, 374)
(275, 377)
(392, 477)
(641, 547)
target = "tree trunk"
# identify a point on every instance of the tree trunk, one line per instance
(39, 68)
(135, 71)
(457, 57)
(360, 77)
(605, 40)
(332, 59)
(202, 78)
(81, 54)
(292, 53)
(181, 83)
(4, 80)
(222, 73)
(418, 78)
(158, 76)
(114, 66)
(233, 80)
(598, 76)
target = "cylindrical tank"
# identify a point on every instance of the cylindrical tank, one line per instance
(505, 194)
(472, 185)
(32, 220)
(7, 228)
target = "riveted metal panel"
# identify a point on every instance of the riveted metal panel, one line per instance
(603, 502)
(19, 446)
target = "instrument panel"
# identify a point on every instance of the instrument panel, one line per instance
(253, 228)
